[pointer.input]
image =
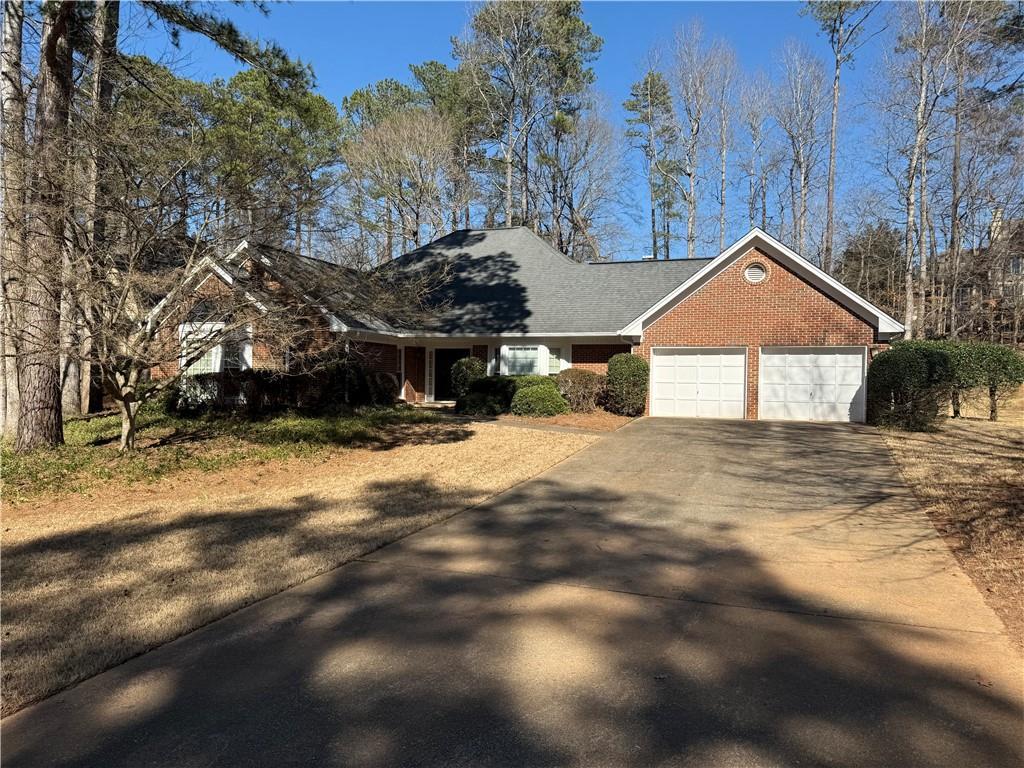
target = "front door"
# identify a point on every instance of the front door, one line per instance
(444, 359)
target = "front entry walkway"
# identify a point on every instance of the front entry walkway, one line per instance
(699, 593)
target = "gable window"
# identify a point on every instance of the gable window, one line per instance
(523, 360)
(554, 360)
(234, 352)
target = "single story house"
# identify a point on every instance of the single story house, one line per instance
(758, 332)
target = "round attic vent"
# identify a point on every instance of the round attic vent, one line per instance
(755, 273)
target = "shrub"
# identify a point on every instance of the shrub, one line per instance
(534, 380)
(965, 370)
(348, 385)
(908, 386)
(581, 388)
(626, 385)
(539, 400)
(1001, 370)
(465, 372)
(488, 396)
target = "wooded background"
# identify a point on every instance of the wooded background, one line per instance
(120, 175)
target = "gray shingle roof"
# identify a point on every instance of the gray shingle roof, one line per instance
(512, 281)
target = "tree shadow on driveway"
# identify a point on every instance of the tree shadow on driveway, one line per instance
(433, 661)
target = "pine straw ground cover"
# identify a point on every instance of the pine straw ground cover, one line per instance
(91, 580)
(970, 478)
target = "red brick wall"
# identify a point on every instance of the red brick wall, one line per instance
(783, 310)
(379, 358)
(415, 384)
(480, 352)
(595, 357)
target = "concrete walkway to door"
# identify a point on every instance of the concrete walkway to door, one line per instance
(699, 593)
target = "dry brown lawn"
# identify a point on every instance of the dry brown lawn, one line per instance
(89, 581)
(970, 478)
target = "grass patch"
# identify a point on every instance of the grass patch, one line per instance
(969, 476)
(169, 444)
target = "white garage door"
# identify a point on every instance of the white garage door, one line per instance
(812, 383)
(706, 383)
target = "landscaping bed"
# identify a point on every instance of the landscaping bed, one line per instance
(969, 476)
(92, 579)
(595, 421)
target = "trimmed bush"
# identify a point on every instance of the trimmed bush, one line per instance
(626, 384)
(538, 400)
(1001, 372)
(581, 389)
(974, 365)
(908, 386)
(465, 372)
(489, 396)
(534, 380)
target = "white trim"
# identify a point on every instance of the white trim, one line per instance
(698, 349)
(886, 325)
(401, 372)
(862, 397)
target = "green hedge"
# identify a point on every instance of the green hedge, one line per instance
(626, 384)
(534, 380)
(465, 372)
(539, 400)
(908, 387)
(581, 388)
(488, 396)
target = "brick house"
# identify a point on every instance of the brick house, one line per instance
(756, 332)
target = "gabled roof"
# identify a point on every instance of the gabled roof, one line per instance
(510, 281)
(886, 325)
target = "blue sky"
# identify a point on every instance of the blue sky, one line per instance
(351, 44)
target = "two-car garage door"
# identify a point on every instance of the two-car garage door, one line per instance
(796, 383)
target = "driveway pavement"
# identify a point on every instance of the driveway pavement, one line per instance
(689, 593)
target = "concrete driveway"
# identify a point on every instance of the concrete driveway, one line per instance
(681, 593)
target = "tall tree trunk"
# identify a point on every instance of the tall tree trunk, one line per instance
(654, 218)
(922, 236)
(691, 202)
(723, 155)
(830, 192)
(12, 239)
(954, 203)
(509, 160)
(40, 424)
(912, 168)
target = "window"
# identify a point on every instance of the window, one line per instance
(229, 354)
(1017, 265)
(554, 360)
(522, 360)
(208, 363)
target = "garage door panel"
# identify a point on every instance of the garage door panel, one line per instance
(848, 376)
(685, 391)
(698, 383)
(773, 393)
(815, 384)
(732, 393)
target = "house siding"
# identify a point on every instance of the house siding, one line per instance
(783, 310)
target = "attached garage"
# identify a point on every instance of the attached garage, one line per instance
(812, 383)
(698, 382)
